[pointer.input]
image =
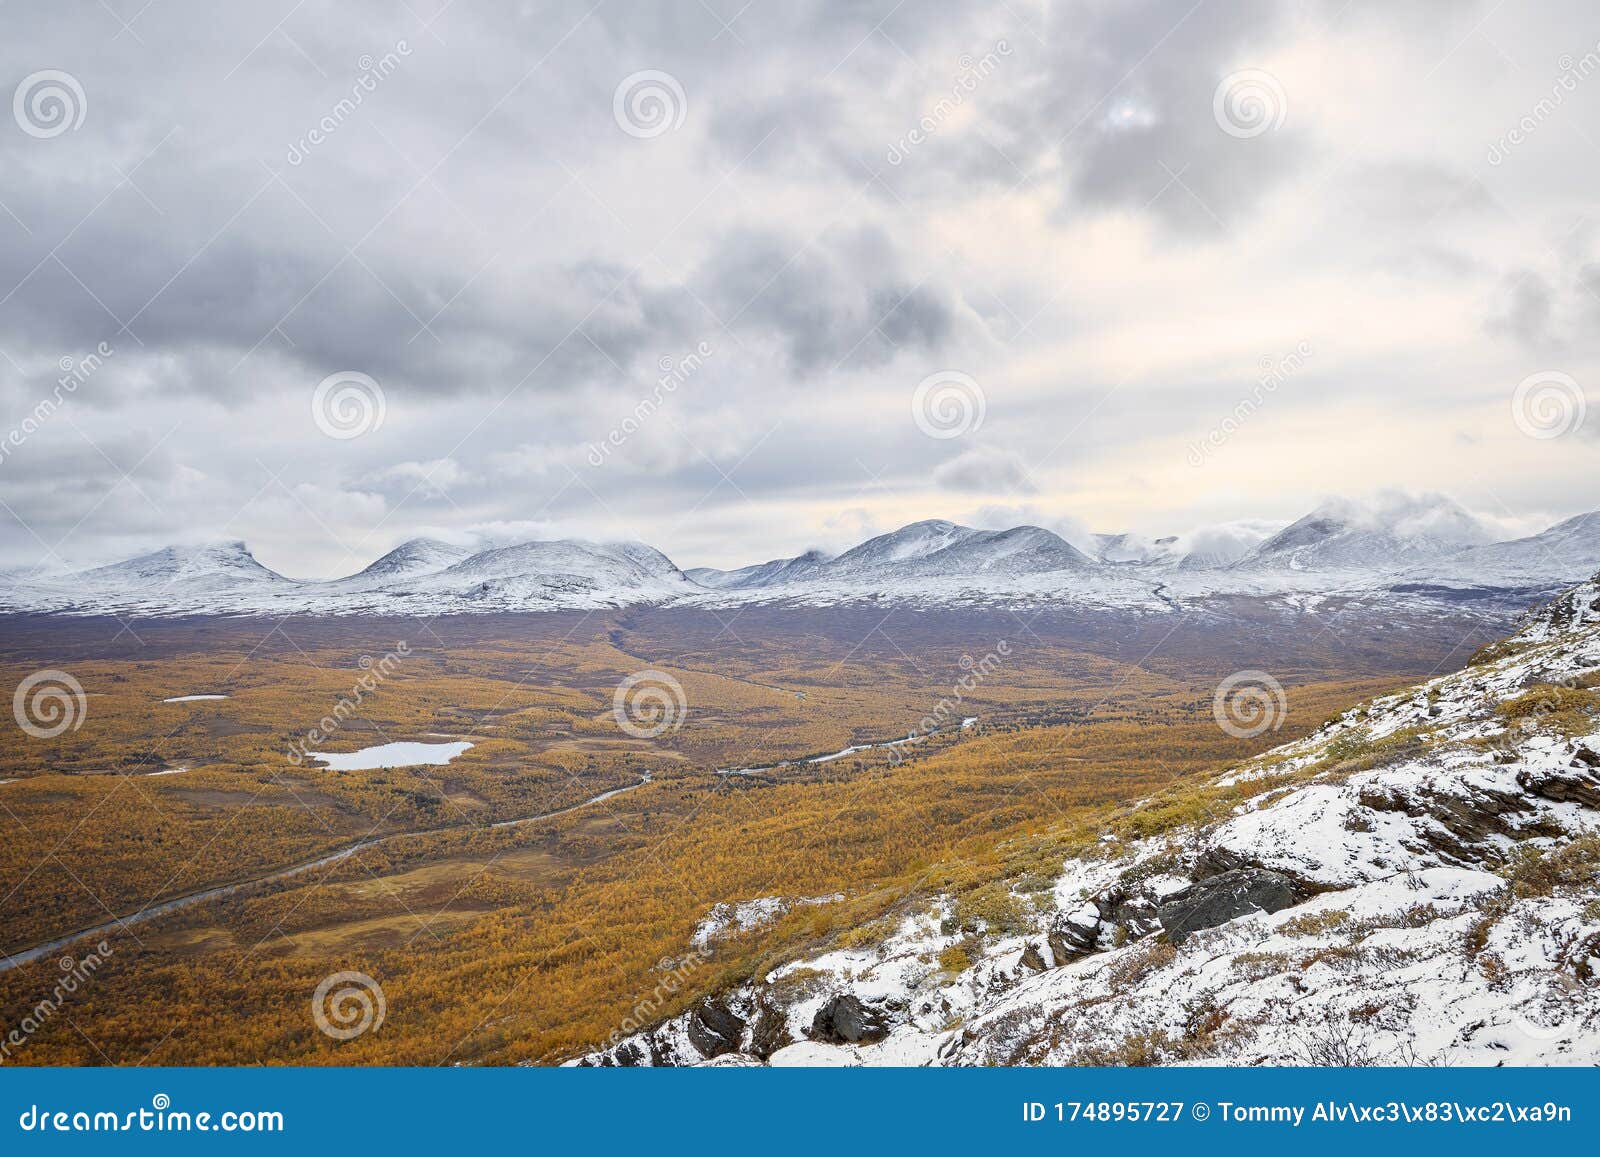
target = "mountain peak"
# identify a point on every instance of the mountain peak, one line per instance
(1393, 531)
(208, 565)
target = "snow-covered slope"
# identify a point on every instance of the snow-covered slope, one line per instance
(1344, 535)
(1538, 562)
(177, 571)
(938, 549)
(764, 574)
(1417, 882)
(564, 572)
(419, 556)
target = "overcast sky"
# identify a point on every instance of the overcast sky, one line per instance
(1129, 266)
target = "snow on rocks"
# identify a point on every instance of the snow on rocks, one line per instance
(1415, 883)
(746, 915)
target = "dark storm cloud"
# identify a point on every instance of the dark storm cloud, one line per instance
(840, 300)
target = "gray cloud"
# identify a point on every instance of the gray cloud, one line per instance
(478, 234)
(985, 470)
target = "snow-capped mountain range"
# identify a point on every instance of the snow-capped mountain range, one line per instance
(1421, 550)
(1411, 884)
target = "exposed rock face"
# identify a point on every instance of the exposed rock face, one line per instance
(846, 1019)
(1031, 958)
(769, 1032)
(1073, 935)
(1218, 899)
(1127, 909)
(713, 1029)
(1579, 786)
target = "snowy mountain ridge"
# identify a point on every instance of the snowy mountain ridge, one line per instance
(1425, 551)
(1415, 883)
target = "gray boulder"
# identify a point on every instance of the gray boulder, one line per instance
(1220, 898)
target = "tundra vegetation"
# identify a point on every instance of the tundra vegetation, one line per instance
(534, 942)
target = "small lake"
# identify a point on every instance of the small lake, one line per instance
(391, 755)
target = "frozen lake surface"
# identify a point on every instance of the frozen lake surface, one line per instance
(391, 755)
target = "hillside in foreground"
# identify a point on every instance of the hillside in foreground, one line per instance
(1414, 883)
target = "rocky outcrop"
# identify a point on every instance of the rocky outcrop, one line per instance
(845, 1019)
(713, 1029)
(1218, 899)
(769, 1032)
(1074, 935)
(1576, 785)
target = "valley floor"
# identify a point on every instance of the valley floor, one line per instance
(499, 937)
